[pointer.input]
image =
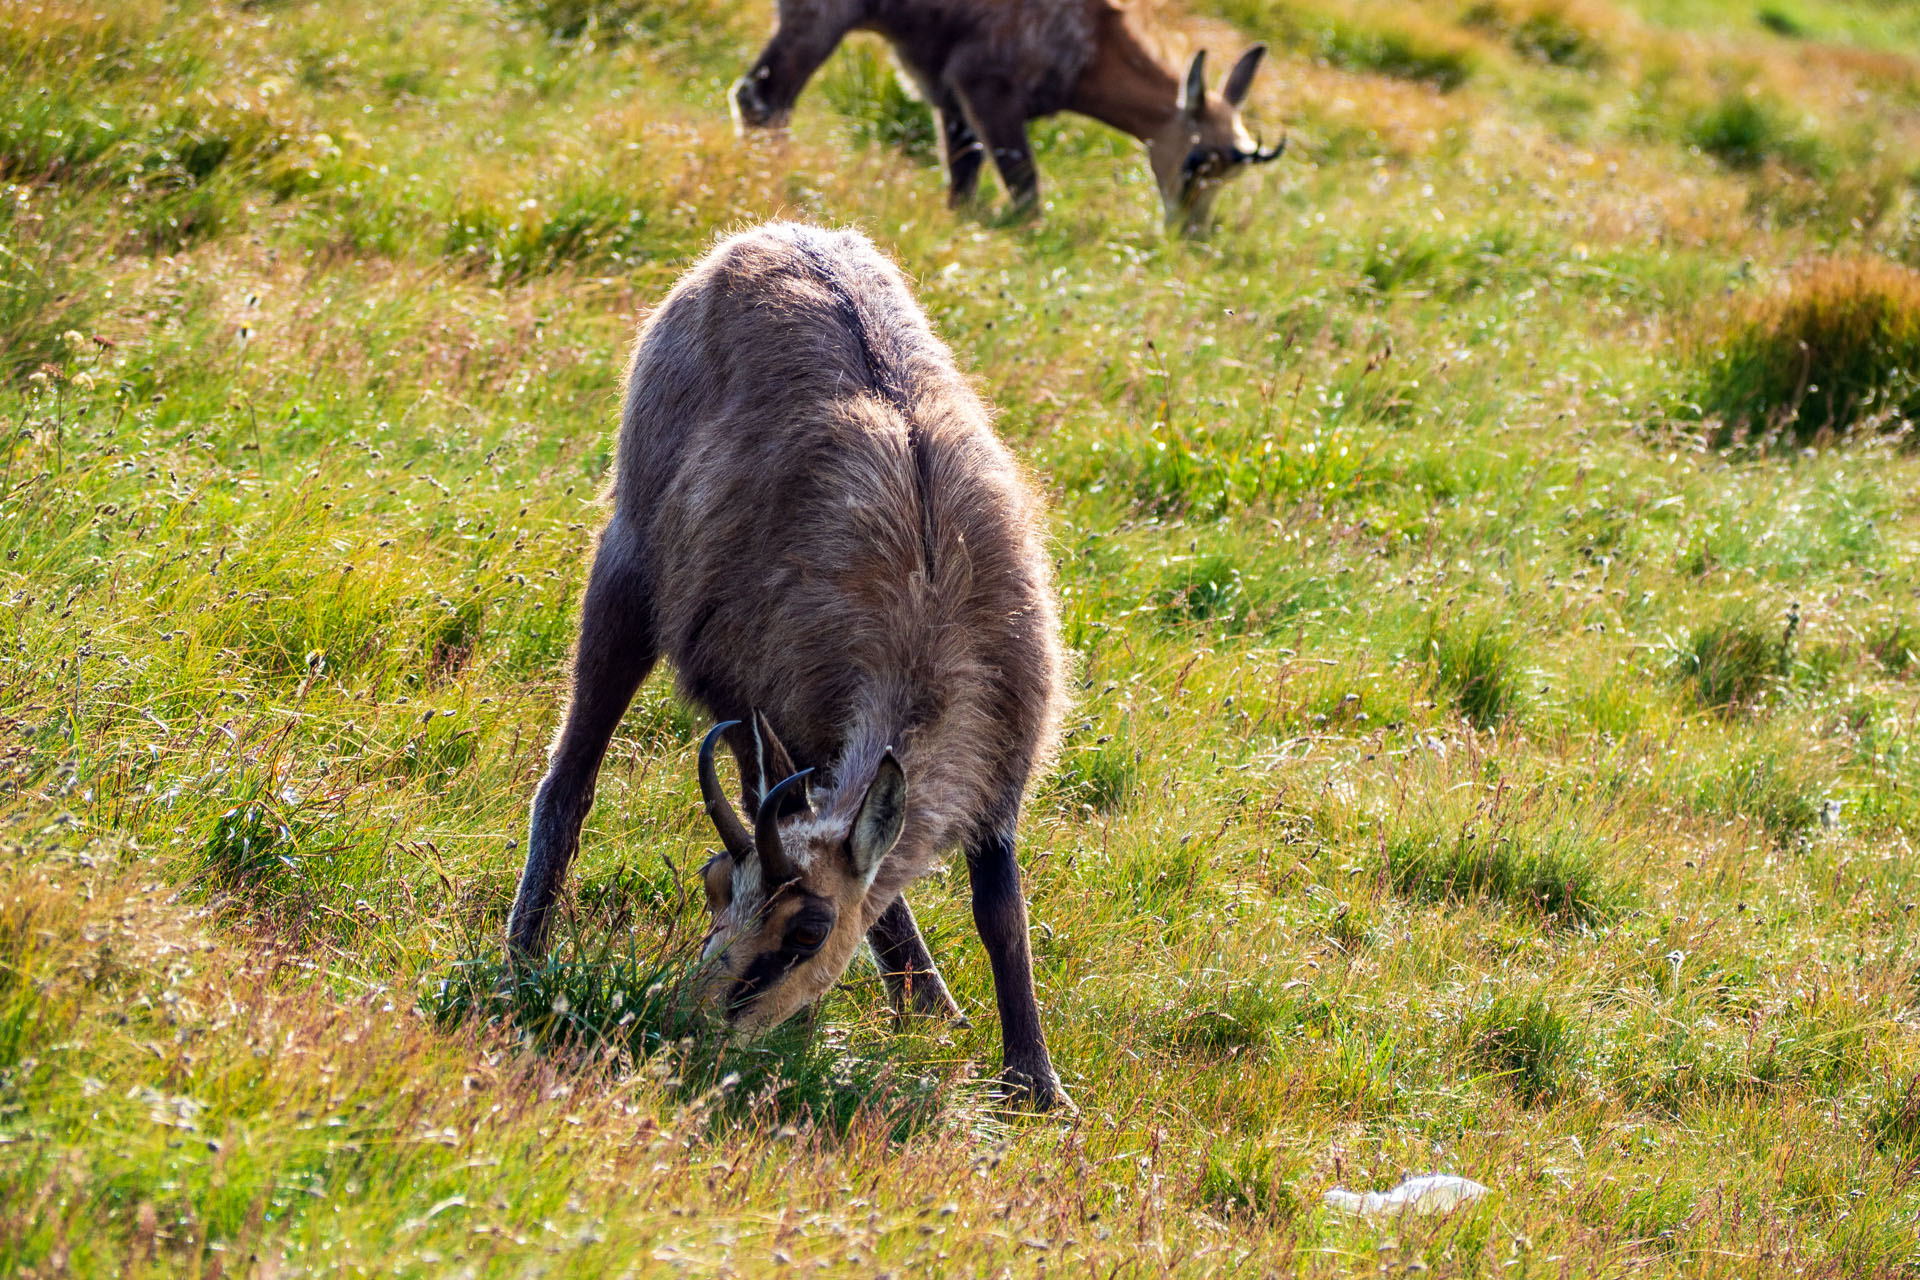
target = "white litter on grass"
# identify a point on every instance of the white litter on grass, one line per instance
(1427, 1193)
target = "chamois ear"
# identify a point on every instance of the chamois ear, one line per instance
(772, 765)
(1193, 96)
(882, 814)
(1240, 79)
(717, 878)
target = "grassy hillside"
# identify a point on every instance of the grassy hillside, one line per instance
(1496, 687)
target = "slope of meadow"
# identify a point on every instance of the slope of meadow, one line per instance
(1488, 757)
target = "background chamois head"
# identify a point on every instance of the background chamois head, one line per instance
(1204, 142)
(789, 897)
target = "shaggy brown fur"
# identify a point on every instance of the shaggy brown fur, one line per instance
(814, 522)
(990, 66)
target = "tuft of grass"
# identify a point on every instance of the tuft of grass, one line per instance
(1780, 786)
(1474, 663)
(1782, 21)
(1405, 51)
(1512, 850)
(630, 1007)
(1734, 663)
(1743, 129)
(1894, 1124)
(1249, 1178)
(1556, 32)
(881, 109)
(1836, 350)
(1529, 1043)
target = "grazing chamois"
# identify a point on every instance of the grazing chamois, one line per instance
(814, 522)
(989, 66)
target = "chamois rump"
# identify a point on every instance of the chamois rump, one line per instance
(814, 522)
(987, 67)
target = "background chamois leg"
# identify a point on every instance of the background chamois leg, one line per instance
(615, 651)
(1000, 914)
(914, 985)
(960, 149)
(994, 109)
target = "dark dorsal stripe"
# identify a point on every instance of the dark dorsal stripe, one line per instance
(880, 378)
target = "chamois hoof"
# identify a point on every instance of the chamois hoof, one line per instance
(1038, 1091)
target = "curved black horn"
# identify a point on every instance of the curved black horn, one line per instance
(775, 867)
(733, 832)
(1260, 155)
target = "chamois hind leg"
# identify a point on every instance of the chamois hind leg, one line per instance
(1000, 914)
(914, 985)
(960, 148)
(806, 33)
(994, 110)
(615, 651)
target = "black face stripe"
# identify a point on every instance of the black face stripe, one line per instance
(763, 973)
(769, 969)
(1204, 164)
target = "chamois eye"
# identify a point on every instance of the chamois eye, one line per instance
(809, 935)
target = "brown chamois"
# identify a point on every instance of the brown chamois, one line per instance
(815, 523)
(989, 66)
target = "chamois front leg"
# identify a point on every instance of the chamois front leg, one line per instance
(764, 97)
(1000, 914)
(913, 983)
(615, 651)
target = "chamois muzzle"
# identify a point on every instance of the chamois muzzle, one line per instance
(775, 867)
(733, 832)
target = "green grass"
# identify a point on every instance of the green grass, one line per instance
(1488, 560)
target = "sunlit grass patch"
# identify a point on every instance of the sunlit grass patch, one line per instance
(1768, 779)
(1835, 350)
(1247, 1016)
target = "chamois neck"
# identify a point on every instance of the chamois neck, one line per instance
(1125, 84)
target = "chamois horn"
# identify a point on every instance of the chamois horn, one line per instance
(775, 867)
(1260, 155)
(733, 832)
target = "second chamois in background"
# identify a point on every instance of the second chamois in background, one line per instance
(990, 66)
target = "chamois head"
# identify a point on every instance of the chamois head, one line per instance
(789, 897)
(1205, 142)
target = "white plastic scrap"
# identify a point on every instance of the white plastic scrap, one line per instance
(1426, 1193)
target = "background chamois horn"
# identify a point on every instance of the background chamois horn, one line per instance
(733, 832)
(775, 867)
(1260, 155)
